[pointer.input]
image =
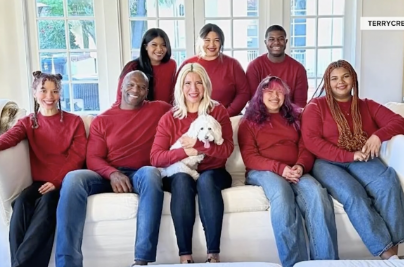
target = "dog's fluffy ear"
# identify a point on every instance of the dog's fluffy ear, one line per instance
(216, 130)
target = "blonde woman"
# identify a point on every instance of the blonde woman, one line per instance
(192, 97)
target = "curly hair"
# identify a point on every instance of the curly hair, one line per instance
(347, 140)
(257, 113)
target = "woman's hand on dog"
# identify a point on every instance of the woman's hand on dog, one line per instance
(187, 142)
(191, 152)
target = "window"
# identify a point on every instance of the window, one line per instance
(316, 35)
(67, 45)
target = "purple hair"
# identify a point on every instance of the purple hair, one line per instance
(257, 113)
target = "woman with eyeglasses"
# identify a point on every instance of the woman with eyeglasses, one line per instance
(277, 160)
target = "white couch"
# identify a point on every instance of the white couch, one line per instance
(247, 231)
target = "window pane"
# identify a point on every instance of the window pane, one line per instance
(49, 8)
(228, 53)
(142, 8)
(172, 8)
(217, 8)
(175, 30)
(313, 85)
(138, 28)
(65, 97)
(303, 7)
(52, 34)
(84, 66)
(135, 54)
(245, 57)
(80, 7)
(331, 7)
(330, 31)
(82, 34)
(85, 97)
(303, 32)
(325, 57)
(179, 57)
(54, 63)
(226, 28)
(245, 34)
(245, 8)
(307, 58)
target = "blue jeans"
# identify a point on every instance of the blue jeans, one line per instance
(183, 190)
(313, 203)
(71, 213)
(372, 197)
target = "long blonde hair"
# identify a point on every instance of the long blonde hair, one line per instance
(206, 105)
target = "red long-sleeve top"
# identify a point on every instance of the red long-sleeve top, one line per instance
(289, 70)
(229, 82)
(272, 147)
(123, 138)
(170, 129)
(163, 80)
(320, 132)
(55, 147)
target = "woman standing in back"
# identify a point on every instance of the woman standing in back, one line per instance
(155, 61)
(57, 144)
(229, 82)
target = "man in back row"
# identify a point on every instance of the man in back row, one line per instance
(277, 63)
(118, 160)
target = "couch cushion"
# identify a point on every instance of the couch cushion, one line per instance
(396, 107)
(111, 206)
(235, 165)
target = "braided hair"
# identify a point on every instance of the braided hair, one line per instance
(41, 78)
(351, 141)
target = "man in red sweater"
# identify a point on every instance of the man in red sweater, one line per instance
(118, 160)
(277, 63)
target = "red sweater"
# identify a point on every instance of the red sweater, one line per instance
(163, 77)
(123, 138)
(55, 147)
(229, 83)
(272, 148)
(289, 70)
(320, 132)
(170, 129)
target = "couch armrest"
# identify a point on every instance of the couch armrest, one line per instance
(15, 175)
(392, 153)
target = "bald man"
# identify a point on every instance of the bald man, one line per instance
(118, 160)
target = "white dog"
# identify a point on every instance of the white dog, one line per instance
(206, 129)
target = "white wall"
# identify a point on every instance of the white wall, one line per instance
(382, 54)
(14, 79)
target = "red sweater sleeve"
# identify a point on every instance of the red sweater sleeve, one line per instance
(312, 126)
(242, 88)
(14, 135)
(302, 87)
(97, 151)
(251, 155)
(305, 158)
(130, 66)
(161, 155)
(224, 150)
(76, 154)
(388, 122)
(253, 77)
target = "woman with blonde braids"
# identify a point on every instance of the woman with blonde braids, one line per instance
(345, 133)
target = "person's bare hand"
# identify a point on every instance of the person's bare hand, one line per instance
(46, 187)
(191, 152)
(296, 171)
(372, 146)
(288, 175)
(187, 142)
(120, 183)
(360, 156)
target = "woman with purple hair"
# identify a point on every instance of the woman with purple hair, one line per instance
(276, 159)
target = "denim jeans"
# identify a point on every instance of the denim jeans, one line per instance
(289, 202)
(183, 190)
(372, 197)
(71, 213)
(32, 227)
